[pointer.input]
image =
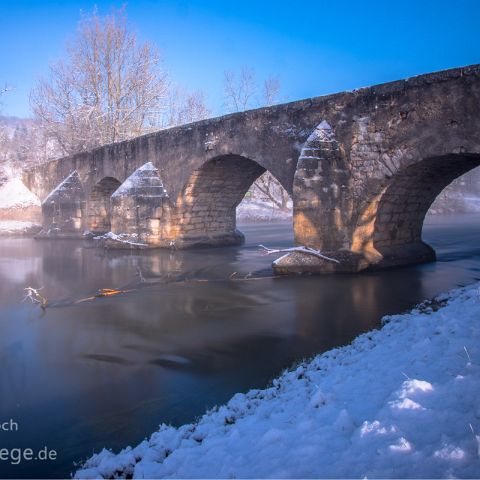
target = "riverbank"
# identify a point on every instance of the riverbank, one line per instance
(398, 402)
(14, 228)
(254, 211)
(20, 210)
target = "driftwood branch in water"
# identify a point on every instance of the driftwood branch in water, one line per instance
(122, 239)
(307, 250)
(104, 292)
(34, 296)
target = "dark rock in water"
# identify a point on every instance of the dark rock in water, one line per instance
(299, 263)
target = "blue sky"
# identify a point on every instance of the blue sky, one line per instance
(315, 47)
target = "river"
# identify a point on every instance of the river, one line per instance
(108, 371)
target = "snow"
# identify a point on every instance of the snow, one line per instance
(209, 144)
(299, 249)
(14, 194)
(143, 177)
(322, 133)
(72, 181)
(147, 167)
(451, 201)
(11, 227)
(125, 238)
(256, 210)
(402, 401)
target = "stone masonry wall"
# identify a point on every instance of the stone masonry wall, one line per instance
(205, 212)
(98, 205)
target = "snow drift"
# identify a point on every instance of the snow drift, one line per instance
(402, 401)
(18, 204)
(14, 194)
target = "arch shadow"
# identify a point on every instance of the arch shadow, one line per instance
(205, 210)
(398, 220)
(98, 205)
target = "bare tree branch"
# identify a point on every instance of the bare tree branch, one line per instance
(273, 191)
(239, 93)
(108, 88)
(271, 91)
(184, 107)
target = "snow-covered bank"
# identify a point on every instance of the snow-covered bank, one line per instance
(17, 227)
(403, 401)
(14, 194)
(250, 211)
(17, 205)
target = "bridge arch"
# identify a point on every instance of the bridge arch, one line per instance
(205, 210)
(98, 205)
(389, 230)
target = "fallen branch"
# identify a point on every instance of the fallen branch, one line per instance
(140, 275)
(34, 296)
(104, 292)
(108, 292)
(119, 238)
(308, 250)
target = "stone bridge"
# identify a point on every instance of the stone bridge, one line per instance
(362, 168)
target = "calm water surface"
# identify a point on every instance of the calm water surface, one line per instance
(107, 372)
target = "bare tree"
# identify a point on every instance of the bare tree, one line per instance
(241, 92)
(271, 91)
(272, 191)
(184, 107)
(22, 145)
(5, 141)
(3, 154)
(108, 88)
